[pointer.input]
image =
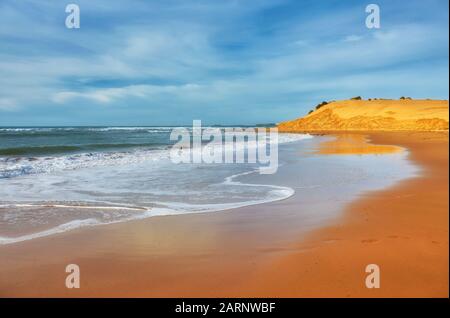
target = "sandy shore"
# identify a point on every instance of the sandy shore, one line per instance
(253, 251)
(404, 230)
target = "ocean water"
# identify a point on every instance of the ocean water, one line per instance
(54, 180)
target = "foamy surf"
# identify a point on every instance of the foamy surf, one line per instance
(276, 193)
(128, 175)
(12, 166)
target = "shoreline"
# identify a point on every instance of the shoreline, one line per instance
(229, 257)
(410, 246)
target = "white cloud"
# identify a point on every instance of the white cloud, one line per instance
(181, 57)
(8, 104)
(109, 95)
(353, 38)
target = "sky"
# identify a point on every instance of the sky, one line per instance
(169, 62)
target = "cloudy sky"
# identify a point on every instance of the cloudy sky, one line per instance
(226, 62)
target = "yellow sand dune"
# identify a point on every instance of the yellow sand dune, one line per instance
(379, 114)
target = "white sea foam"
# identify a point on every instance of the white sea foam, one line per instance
(46, 129)
(14, 167)
(59, 229)
(111, 187)
(275, 193)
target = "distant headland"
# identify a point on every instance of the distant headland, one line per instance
(373, 114)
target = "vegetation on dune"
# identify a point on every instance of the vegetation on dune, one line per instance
(318, 106)
(321, 104)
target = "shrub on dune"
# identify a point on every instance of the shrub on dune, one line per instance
(321, 104)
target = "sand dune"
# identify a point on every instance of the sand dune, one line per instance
(404, 114)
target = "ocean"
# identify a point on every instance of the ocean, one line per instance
(57, 179)
(60, 178)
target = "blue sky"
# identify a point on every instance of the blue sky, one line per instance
(168, 62)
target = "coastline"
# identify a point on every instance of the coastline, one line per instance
(231, 253)
(402, 229)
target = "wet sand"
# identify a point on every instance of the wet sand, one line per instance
(253, 251)
(404, 230)
(359, 144)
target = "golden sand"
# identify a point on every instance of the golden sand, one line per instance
(417, 115)
(356, 144)
(404, 230)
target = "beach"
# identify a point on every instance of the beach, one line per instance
(403, 229)
(266, 249)
(200, 150)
